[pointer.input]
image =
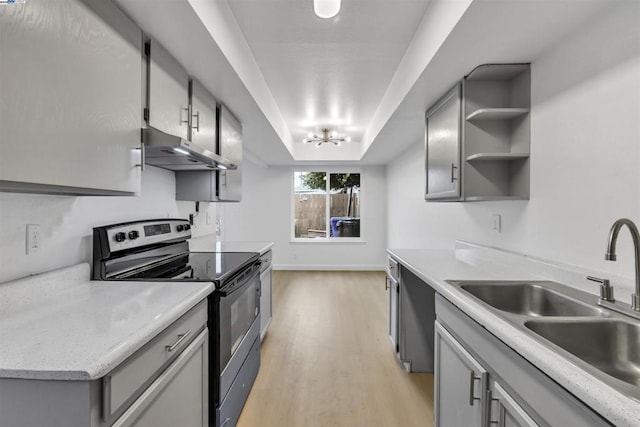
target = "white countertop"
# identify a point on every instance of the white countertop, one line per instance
(208, 244)
(62, 326)
(437, 266)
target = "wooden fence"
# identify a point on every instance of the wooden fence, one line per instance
(310, 212)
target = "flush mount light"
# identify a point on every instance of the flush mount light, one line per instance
(326, 8)
(327, 136)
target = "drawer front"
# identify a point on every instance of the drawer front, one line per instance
(128, 380)
(265, 261)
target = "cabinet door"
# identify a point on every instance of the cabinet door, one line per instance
(394, 289)
(203, 117)
(70, 79)
(443, 138)
(266, 305)
(167, 92)
(504, 411)
(460, 384)
(229, 184)
(179, 396)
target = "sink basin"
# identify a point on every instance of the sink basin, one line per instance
(528, 299)
(612, 346)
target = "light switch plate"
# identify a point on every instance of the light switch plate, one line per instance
(496, 224)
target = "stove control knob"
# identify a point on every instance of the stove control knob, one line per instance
(120, 237)
(133, 234)
(180, 227)
(187, 227)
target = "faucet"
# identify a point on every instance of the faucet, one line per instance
(611, 253)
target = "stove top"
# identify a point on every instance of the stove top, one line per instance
(219, 266)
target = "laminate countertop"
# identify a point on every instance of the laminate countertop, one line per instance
(62, 326)
(435, 267)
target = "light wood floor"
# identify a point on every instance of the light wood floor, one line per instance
(327, 359)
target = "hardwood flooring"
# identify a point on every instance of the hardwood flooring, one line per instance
(327, 360)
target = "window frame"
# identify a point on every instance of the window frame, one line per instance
(327, 239)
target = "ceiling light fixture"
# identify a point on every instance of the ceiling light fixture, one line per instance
(327, 136)
(326, 8)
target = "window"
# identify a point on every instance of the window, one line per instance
(326, 205)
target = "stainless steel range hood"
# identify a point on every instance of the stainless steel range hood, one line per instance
(174, 153)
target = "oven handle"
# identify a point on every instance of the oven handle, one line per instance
(241, 281)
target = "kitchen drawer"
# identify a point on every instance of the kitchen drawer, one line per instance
(126, 382)
(265, 261)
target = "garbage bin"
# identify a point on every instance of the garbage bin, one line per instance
(349, 227)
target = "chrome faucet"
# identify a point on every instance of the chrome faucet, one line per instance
(611, 253)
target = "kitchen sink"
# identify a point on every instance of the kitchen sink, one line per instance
(528, 299)
(610, 345)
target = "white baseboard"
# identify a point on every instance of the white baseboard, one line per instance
(373, 267)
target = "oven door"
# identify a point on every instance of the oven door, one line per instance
(238, 309)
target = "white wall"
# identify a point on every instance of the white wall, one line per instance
(585, 159)
(265, 215)
(66, 222)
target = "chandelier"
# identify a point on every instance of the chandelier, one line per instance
(326, 137)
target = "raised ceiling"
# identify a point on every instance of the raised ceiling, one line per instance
(328, 72)
(368, 73)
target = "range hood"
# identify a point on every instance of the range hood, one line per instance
(174, 153)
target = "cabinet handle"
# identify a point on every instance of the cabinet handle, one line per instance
(386, 283)
(453, 168)
(188, 110)
(501, 418)
(142, 156)
(197, 126)
(472, 381)
(181, 338)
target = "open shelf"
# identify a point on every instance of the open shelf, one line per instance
(497, 113)
(481, 157)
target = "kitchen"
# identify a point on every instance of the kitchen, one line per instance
(585, 104)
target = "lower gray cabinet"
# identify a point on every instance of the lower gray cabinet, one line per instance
(178, 397)
(266, 297)
(480, 381)
(504, 411)
(460, 382)
(163, 384)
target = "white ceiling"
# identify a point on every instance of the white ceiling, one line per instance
(369, 73)
(328, 72)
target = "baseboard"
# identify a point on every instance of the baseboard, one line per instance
(373, 267)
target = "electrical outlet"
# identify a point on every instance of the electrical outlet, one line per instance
(209, 218)
(34, 238)
(496, 223)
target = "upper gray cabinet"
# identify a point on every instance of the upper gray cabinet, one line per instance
(203, 117)
(71, 91)
(477, 144)
(167, 92)
(223, 185)
(443, 136)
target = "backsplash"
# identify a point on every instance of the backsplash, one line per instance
(66, 222)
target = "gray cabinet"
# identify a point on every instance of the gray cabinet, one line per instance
(443, 143)
(167, 106)
(203, 128)
(393, 286)
(474, 367)
(164, 384)
(411, 318)
(460, 383)
(478, 137)
(266, 294)
(71, 80)
(504, 411)
(178, 397)
(220, 185)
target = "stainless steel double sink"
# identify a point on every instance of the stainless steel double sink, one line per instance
(568, 321)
